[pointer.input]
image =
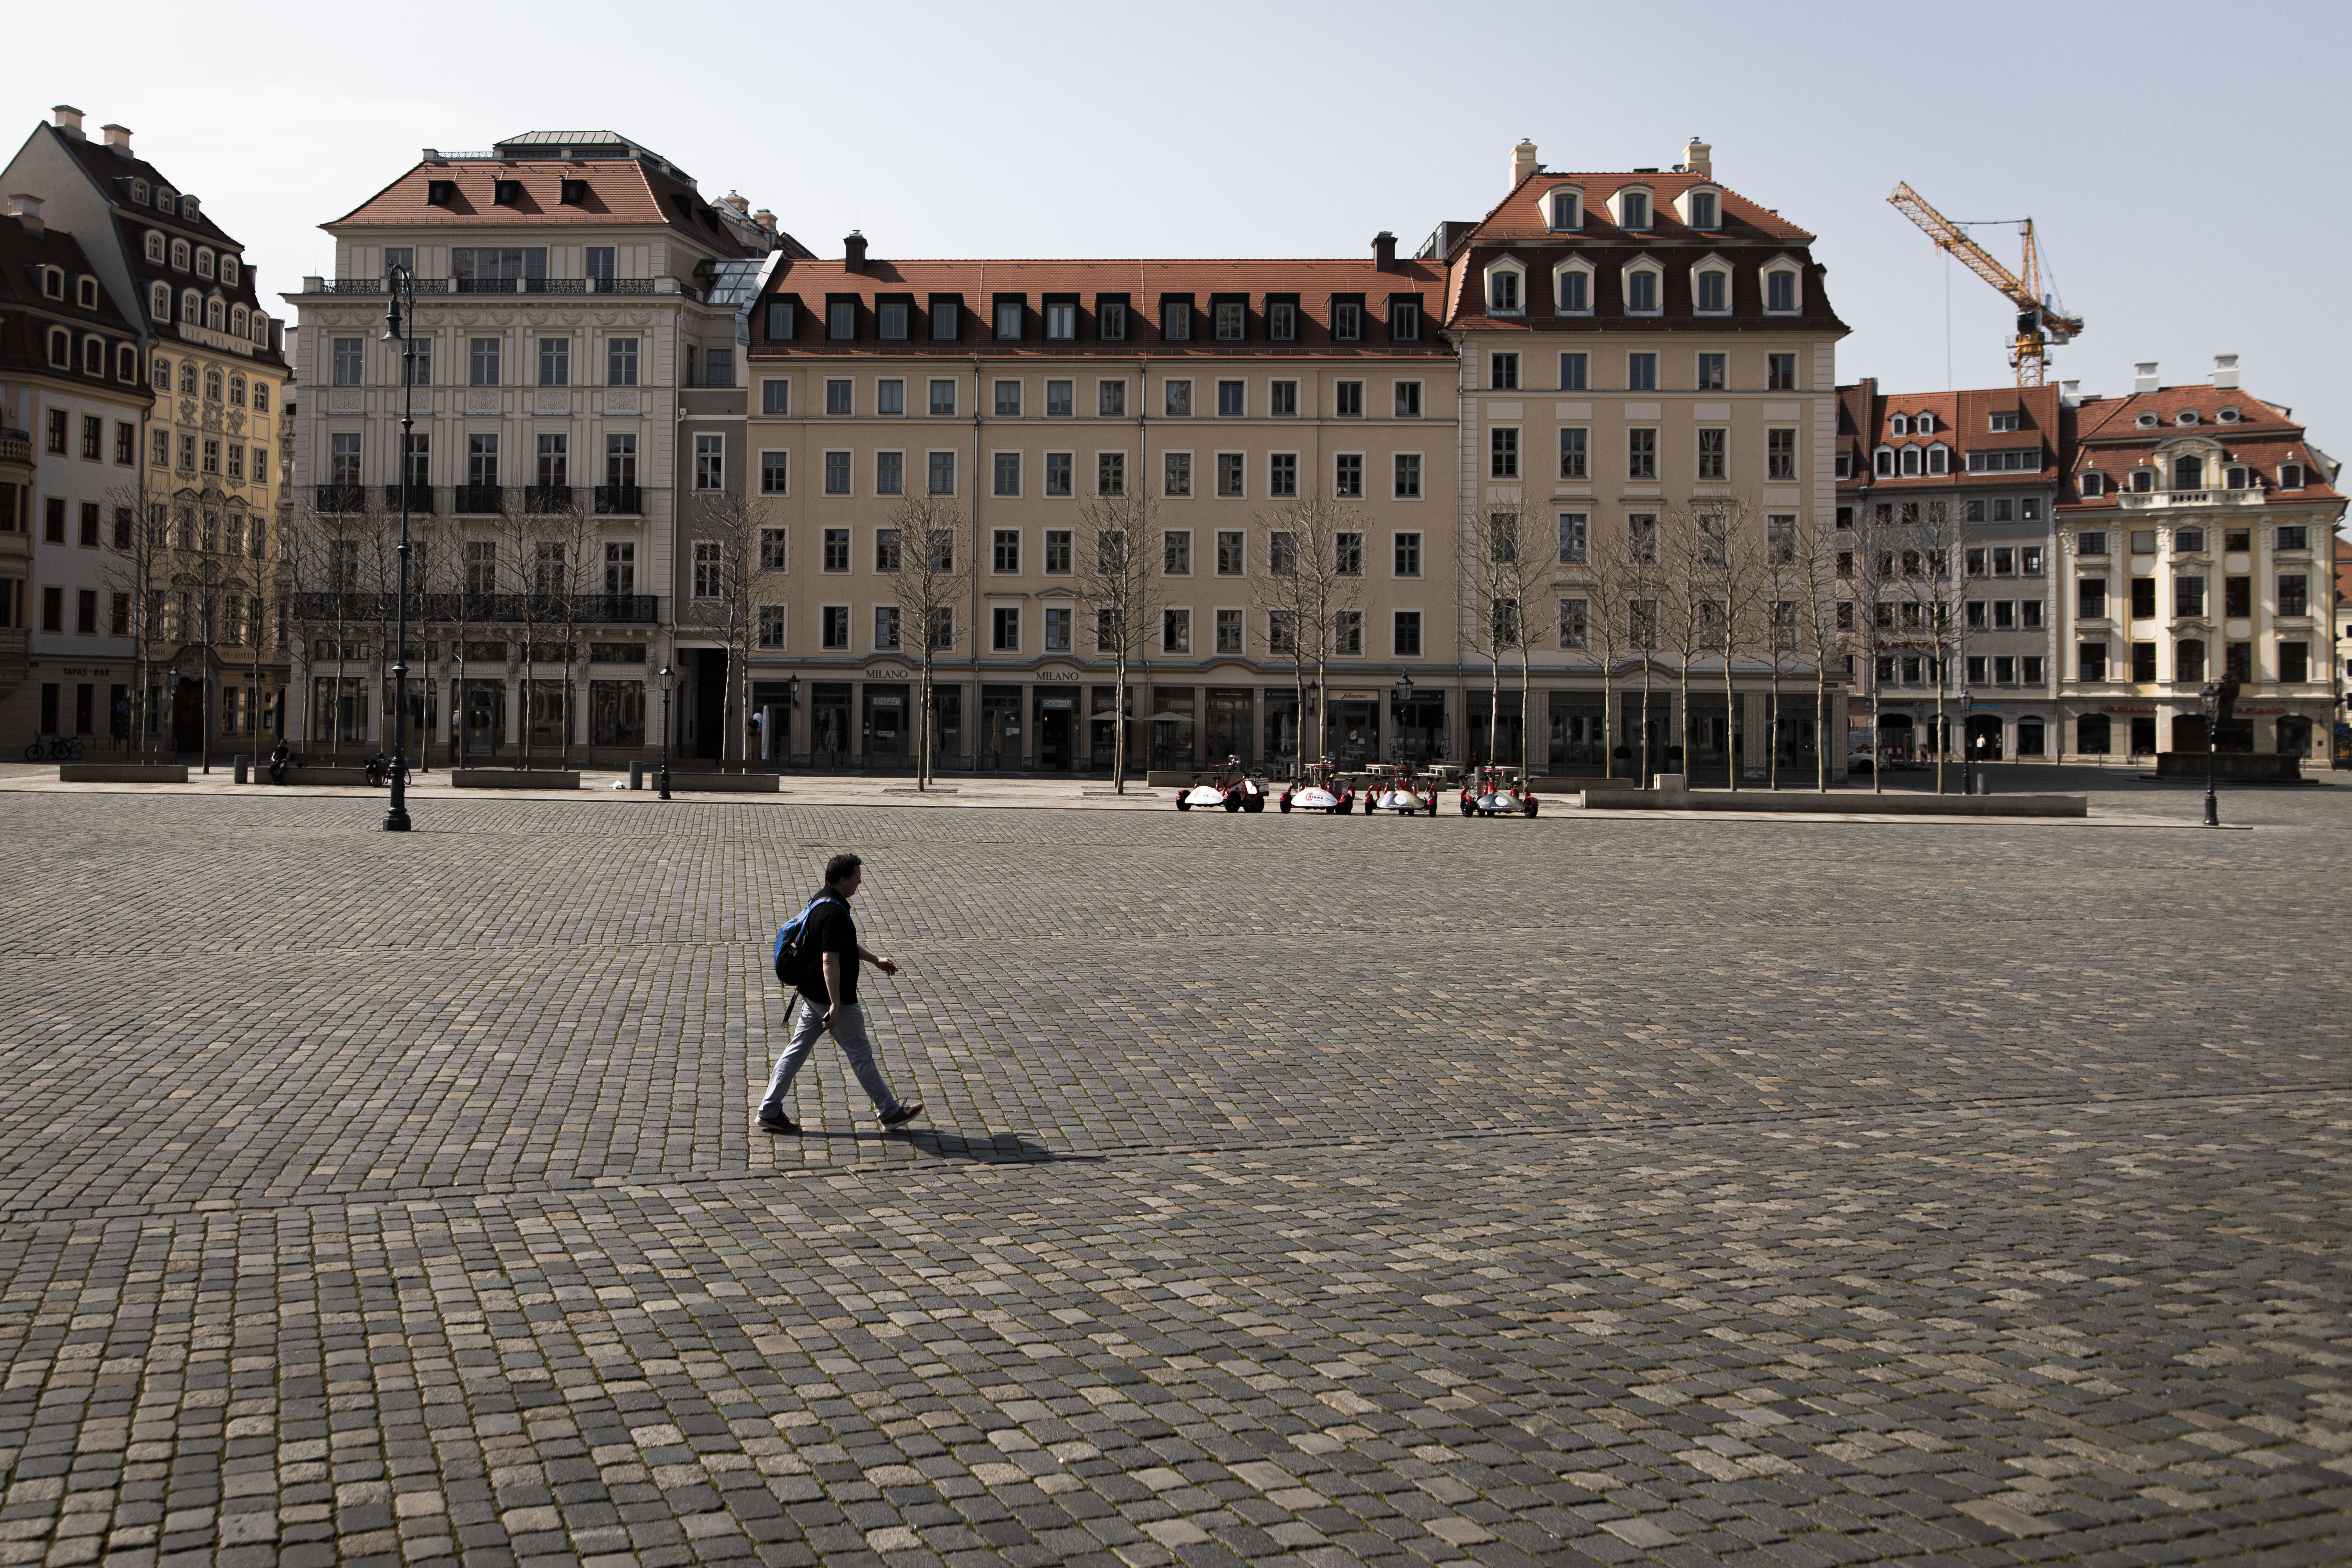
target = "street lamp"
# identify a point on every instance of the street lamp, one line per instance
(667, 677)
(1402, 695)
(398, 328)
(2211, 699)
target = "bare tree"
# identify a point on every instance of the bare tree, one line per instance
(1499, 578)
(1310, 581)
(1947, 588)
(564, 567)
(1783, 583)
(1875, 587)
(724, 597)
(1607, 572)
(1112, 561)
(932, 574)
(131, 574)
(1732, 540)
(1645, 587)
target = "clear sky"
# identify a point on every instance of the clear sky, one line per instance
(2182, 165)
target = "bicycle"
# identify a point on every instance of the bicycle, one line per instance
(53, 749)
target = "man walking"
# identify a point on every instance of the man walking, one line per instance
(828, 1002)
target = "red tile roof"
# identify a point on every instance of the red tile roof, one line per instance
(1963, 422)
(1520, 214)
(2109, 439)
(619, 191)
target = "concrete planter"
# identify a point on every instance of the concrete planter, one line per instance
(717, 784)
(1840, 803)
(2232, 767)
(123, 772)
(316, 775)
(515, 778)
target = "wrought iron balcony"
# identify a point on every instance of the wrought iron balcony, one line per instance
(477, 498)
(547, 498)
(342, 498)
(420, 498)
(349, 609)
(619, 500)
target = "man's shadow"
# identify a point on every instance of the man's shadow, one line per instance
(945, 1143)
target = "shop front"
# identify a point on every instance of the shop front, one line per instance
(888, 742)
(1352, 729)
(1229, 724)
(1174, 725)
(829, 732)
(1102, 728)
(1000, 728)
(1056, 718)
(1417, 728)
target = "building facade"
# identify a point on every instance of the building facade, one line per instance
(1955, 494)
(2195, 543)
(1638, 350)
(1215, 398)
(208, 566)
(73, 402)
(574, 333)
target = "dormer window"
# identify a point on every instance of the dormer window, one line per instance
(179, 256)
(1711, 287)
(2228, 416)
(166, 202)
(1506, 287)
(1780, 289)
(2146, 421)
(1012, 315)
(2290, 476)
(1899, 424)
(507, 193)
(61, 349)
(2094, 485)
(1884, 464)
(1176, 318)
(1643, 288)
(204, 262)
(1940, 458)
(2143, 481)
(139, 192)
(441, 192)
(1565, 209)
(52, 283)
(229, 270)
(576, 192)
(2006, 420)
(1910, 462)
(86, 293)
(1634, 209)
(1924, 423)
(1701, 207)
(2185, 416)
(2239, 478)
(1571, 288)
(154, 248)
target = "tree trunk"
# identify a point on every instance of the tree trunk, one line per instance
(1118, 726)
(1877, 758)
(1525, 772)
(1730, 729)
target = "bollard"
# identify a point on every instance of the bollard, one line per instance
(1984, 784)
(636, 776)
(244, 764)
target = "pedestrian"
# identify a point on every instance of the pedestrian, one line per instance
(281, 756)
(827, 1003)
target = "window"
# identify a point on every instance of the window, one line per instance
(885, 628)
(1575, 622)
(1004, 550)
(1176, 398)
(836, 473)
(1348, 476)
(2293, 593)
(1714, 293)
(1057, 630)
(947, 319)
(1634, 209)
(1347, 632)
(621, 362)
(1282, 399)
(1057, 551)
(943, 473)
(237, 464)
(2189, 595)
(1057, 472)
(1642, 538)
(2143, 598)
(708, 575)
(1574, 371)
(1404, 320)
(2294, 661)
(1348, 553)
(775, 473)
(1347, 399)
(2235, 540)
(1503, 292)
(1781, 454)
(2238, 661)
(2294, 538)
(838, 397)
(1574, 538)
(1057, 399)
(1111, 473)
(1572, 464)
(889, 473)
(774, 553)
(1176, 553)
(1176, 473)
(1573, 287)
(1503, 453)
(2091, 543)
(1176, 319)
(1061, 321)
(2091, 661)
(1281, 319)
(1567, 209)
(1230, 469)
(2188, 660)
(1110, 400)
(833, 626)
(776, 398)
(93, 436)
(1782, 373)
(1780, 290)
(2290, 476)
(1175, 631)
(1503, 372)
(1408, 476)
(1642, 293)
(1004, 629)
(1008, 400)
(836, 550)
(1006, 480)
(1641, 373)
(1714, 460)
(482, 369)
(711, 462)
(1282, 474)
(1640, 454)
(348, 361)
(771, 625)
(943, 397)
(555, 361)
(783, 320)
(1711, 372)
(719, 368)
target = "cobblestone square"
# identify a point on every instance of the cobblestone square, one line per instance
(1291, 1192)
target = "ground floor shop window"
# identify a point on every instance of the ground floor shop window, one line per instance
(480, 715)
(2143, 736)
(1578, 742)
(829, 724)
(999, 727)
(1643, 740)
(1417, 730)
(616, 712)
(1495, 739)
(1282, 726)
(1172, 727)
(551, 713)
(1056, 718)
(888, 739)
(1229, 724)
(2030, 743)
(2295, 737)
(2092, 735)
(1795, 725)
(1102, 736)
(339, 710)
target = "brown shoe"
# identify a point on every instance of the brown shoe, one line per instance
(904, 1114)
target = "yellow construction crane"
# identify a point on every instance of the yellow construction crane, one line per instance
(2040, 322)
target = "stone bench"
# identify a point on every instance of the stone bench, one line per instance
(2232, 767)
(515, 778)
(123, 772)
(321, 774)
(722, 784)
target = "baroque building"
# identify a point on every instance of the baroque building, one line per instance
(577, 323)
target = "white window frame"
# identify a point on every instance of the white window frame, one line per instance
(1650, 205)
(1575, 194)
(1718, 267)
(1578, 265)
(766, 453)
(1686, 202)
(1625, 282)
(1517, 270)
(1778, 266)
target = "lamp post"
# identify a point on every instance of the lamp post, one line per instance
(1315, 708)
(783, 757)
(398, 328)
(667, 677)
(2211, 699)
(1401, 694)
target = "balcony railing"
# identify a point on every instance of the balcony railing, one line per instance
(378, 286)
(420, 498)
(619, 500)
(507, 609)
(342, 498)
(547, 498)
(15, 447)
(479, 499)
(2138, 500)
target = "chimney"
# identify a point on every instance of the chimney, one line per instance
(68, 120)
(1699, 159)
(1384, 251)
(2144, 375)
(765, 219)
(742, 204)
(431, 155)
(854, 252)
(29, 213)
(1523, 163)
(2070, 393)
(2225, 371)
(119, 138)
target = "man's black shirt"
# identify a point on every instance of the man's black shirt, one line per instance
(831, 929)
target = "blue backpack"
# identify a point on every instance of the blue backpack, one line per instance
(795, 965)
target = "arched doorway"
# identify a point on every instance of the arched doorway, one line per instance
(1984, 737)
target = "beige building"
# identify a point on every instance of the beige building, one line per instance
(1634, 345)
(1221, 391)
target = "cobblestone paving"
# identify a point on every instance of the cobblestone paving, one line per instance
(1293, 1191)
